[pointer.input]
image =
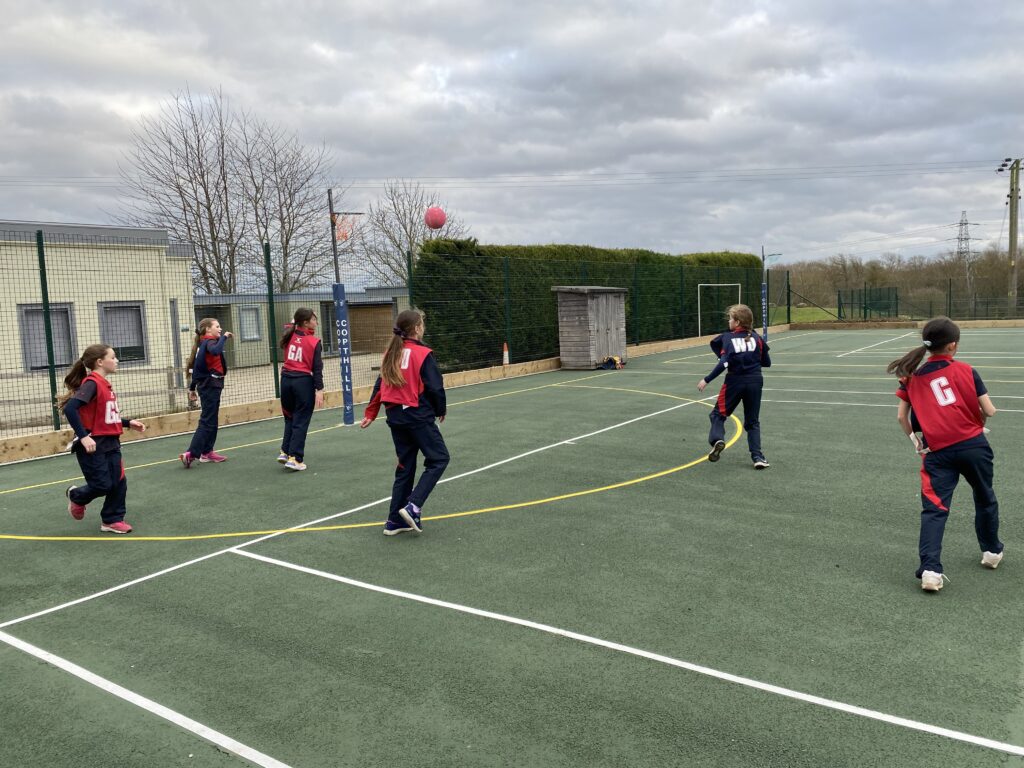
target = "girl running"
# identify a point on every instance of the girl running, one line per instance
(412, 390)
(90, 407)
(207, 369)
(741, 354)
(302, 386)
(949, 403)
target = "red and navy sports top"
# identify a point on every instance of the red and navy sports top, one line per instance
(740, 353)
(303, 357)
(943, 394)
(100, 416)
(422, 397)
(209, 360)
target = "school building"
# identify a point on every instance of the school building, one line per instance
(131, 288)
(127, 287)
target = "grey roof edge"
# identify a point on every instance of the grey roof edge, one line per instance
(156, 235)
(587, 289)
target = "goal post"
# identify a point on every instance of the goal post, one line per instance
(715, 300)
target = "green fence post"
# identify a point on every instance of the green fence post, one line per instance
(272, 319)
(508, 304)
(682, 301)
(789, 301)
(636, 301)
(408, 266)
(865, 297)
(48, 329)
(949, 298)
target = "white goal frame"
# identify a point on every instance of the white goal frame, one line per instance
(739, 297)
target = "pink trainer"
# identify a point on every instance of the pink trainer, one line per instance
(212, 456)
(119, 527)
(77, 511)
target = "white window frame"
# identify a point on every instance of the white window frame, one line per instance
(241, 322)
(23, 310)
(141, 306)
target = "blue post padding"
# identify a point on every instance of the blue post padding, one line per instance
(343, 334)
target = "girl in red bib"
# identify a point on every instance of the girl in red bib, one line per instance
(207, 368)
(90, 407)
(412, 390)
(302, 386)
(948, 403)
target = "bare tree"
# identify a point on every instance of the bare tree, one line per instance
(181, 179)
(225, 182)
(284, 182)
(394, 226)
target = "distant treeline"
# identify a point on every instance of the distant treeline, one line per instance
(920, 279)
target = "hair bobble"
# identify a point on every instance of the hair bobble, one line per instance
(927, 343)
(398, 332)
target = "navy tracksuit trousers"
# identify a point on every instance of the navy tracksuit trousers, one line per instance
(298, 399)
(736, 390)
(940, 473)
(206, 433)
(104, 476)
(411, 439)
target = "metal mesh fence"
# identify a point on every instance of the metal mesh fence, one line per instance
(868, 303)
(475, 303)
(133, 290)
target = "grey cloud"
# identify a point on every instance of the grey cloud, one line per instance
(484, 89)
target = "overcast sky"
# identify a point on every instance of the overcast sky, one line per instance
(808, 126)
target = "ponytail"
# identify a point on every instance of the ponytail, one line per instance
(81, 368)
(937, 334)
(302, 315)
(907, 364)
(391, 364)
(204, 326)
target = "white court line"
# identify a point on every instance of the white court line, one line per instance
(204, 732)
(903, 722)
(824, 402)
(335, 516)
(852, 351)
(705, 351)
(861, 405)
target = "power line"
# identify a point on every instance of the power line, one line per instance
(587, 178)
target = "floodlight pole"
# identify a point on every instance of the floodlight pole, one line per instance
(1014, 213)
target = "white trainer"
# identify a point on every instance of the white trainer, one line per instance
(991, 559)
(932, 581)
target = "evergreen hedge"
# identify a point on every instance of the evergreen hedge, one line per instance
(476, 297)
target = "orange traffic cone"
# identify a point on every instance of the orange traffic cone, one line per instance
(504, 353)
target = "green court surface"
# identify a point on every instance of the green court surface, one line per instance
(588, 589)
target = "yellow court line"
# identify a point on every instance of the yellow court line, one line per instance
(277, 439)
(162, 461)
(849, 377)
(872, 365)
(519, 505)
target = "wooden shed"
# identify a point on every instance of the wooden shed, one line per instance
(591, 325)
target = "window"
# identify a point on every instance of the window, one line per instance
(34, 337)
(123, 327)
(327, 330)
(249, 322)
